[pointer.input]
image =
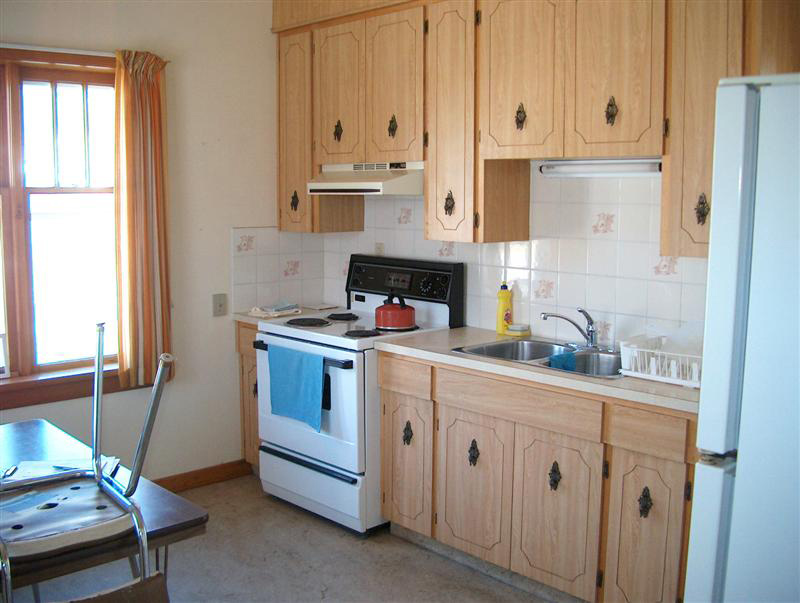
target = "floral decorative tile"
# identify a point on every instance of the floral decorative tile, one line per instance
(544, 289)
(405, 215)
(246, 243)
(292, 268)
(666, 266)
(604, 223)
(446, 249)
(603, 329)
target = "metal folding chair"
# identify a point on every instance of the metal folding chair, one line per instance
(85, 516)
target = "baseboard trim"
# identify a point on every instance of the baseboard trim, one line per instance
(205, 476)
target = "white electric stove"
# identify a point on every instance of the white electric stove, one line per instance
(336, 472)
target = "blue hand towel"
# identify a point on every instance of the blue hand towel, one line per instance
(565, 361)
(295, 385)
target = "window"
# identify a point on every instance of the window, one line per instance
(57, 190)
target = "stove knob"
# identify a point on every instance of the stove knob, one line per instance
(441, 293)
(442, 279)
(356, 282)
(426, 285)
(359, 269)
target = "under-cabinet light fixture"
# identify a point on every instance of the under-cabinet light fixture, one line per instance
(601, 168)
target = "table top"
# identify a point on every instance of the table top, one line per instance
(167, 516)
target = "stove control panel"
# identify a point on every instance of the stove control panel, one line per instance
(411, 282)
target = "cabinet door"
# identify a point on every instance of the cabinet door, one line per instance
(615, 78)
(450, 111)
(249, 395)
(407, 460)
(339, 69)
(555, 530)
(645, 515)
(521, 78)
(473, 484)
(394, 86)
(294, 127)
(706, 45)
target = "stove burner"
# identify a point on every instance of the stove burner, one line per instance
(344, 316)
(358, 333)
(308, 322)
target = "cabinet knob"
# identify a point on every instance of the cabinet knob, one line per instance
(255, 389)
(337, 130)
(473, 453)
(295, 201)
(449, 203)
(393, 126)
(520, 116)
(611, 111)
(407, 434)
(645, 503)
(702, 209)
(555, 476)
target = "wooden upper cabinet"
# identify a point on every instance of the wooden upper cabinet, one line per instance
(294, 132)
(645, 523)
(339, 90)
(407, 463)
(521, 78)
(615, 78)
(474, 484)
(555, 533)
(450, 113)
(394, 86)
(706, 45)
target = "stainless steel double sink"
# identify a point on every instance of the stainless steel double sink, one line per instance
(593, 362)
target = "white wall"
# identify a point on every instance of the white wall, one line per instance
(221, 97)
(594, 244)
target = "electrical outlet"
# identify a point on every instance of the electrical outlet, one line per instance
(219, 304)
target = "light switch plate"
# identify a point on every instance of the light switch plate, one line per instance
(219, 304)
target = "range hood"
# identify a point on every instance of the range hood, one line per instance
(369, 179)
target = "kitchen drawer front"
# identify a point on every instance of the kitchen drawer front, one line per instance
(553, 411)
(405, 377)
(663, 436)
(245, 336)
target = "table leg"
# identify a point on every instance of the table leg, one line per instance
(37, 596)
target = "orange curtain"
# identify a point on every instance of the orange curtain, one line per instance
(143, 305)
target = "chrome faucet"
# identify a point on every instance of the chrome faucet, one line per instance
(590, 334)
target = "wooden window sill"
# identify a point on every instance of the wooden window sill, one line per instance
(42, 388)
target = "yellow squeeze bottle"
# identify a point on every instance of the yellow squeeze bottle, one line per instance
(503, 309)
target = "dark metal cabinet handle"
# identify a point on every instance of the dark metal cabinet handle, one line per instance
(702, 209)
(473, 453)
(520, 116)
(337, 131)
(255, 389)
(449, 203)
(555, 476)
(611, 111)
(645, 503)
(295, 201)
(393, 126)
(407, 434)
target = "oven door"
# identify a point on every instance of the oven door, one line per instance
(340, 441)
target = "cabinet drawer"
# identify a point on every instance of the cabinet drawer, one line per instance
(245, 336)
(660, 435)
(404, 377)
(553, 411)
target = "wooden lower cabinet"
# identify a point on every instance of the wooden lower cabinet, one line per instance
(407, 461)
(645, 525)
(473, 484)
(248, 391)
(555, 530)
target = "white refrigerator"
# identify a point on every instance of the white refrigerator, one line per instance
(744, 542)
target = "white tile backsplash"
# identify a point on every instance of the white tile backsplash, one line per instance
(594, 244)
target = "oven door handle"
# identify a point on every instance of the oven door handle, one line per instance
(329, 362)
(308, 465)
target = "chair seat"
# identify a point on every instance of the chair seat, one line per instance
(44, 520)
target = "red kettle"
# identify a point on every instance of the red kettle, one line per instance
(395, 317)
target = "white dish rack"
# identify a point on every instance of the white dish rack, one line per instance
(660, 359)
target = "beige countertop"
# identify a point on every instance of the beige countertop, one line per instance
(436, 347)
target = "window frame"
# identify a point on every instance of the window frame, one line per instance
(30, 383)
